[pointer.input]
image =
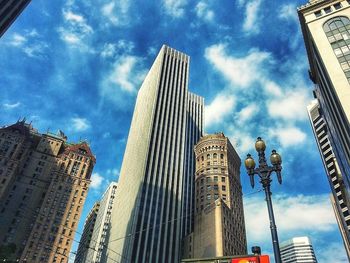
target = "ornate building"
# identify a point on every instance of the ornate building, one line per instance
(44, 182)
(219, 218)
(326, 30)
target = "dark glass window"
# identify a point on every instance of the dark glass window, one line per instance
(318, 13)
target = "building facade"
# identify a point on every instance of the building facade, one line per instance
(147, 219)
(44, 182)
(340, 196)
(98, 252)
(326, 31)
(9, 11)
(85, 239)
(219, 228)
(297, 250)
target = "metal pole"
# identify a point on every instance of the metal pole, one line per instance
(276, 247)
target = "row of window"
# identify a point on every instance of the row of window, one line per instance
(328, 9)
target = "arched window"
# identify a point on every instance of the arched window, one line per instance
(208, 156)
(215, 156)
(337, 30)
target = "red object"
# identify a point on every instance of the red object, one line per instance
(257, 259)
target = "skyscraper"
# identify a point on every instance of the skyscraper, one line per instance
(9, 11)
(219, 218)
(43, 186)
(340, 196)
(98, 252)
(85, 243)
(148, 218)
(298, 250)
(326, 30)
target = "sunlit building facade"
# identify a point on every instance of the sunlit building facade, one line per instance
(219, 228)
(154, 205)
(298, 250)
(326, 30)
(340, 196)
(43, 185)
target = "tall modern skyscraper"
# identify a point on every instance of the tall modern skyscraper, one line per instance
(9, 11)
(340, 196)
(86, 242)
(98, 252)
(219, 218)
(298, 250)
(43, 186)
(326, 30)
(151, 210)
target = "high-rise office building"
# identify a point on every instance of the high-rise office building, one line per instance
(326, 30)
(340, 196)
(85, 242)
(219, 218)
(43, 186)
(297, 250)
(154, 190)
(9, 11)
(98, 252)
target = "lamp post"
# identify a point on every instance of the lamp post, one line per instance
(264, 172)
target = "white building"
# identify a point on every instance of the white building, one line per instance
(100, 236)
(156, 183)
(297, 250)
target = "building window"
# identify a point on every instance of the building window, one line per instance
(318, 13)
(337, 30)
(327, 10)
(337, 6)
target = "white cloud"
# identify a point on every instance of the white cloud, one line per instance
(113, 172)
(121, 47)
(80, 124)
(117, 12)
(9, 106)
(271, 87)
(239, 71)
(96, 181)
(175, 8)
(291, 106)
(293, 214)
(288, 136)
(17, 40)
(122, 74)
(76, 30)
(251, 24)
(70, 16)
(288, 12)
(203, 11)
(220, 107)
(247, 112)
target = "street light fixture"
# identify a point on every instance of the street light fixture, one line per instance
(264, 172)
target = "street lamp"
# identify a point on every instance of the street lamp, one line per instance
(264, 171)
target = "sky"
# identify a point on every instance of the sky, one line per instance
(77, 66)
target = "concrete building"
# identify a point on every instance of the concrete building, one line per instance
(219, 218)
(85, 239)
(326, 30)
(154, 190)
(43, 186)
(98, 252)
(340, 196)
(9, 11)
(297, 250)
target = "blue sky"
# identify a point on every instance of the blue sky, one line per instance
(77, 65)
